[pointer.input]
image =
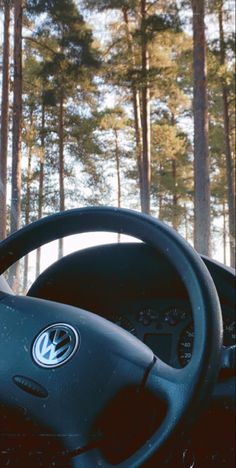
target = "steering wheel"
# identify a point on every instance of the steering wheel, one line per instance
(63, 366)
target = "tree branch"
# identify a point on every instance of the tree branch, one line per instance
(40, 44)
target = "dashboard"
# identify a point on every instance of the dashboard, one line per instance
(136, 288)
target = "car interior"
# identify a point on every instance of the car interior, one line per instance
(149, 379)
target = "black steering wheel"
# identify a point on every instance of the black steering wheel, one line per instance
(63, 366)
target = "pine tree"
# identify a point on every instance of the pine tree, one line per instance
(200, 111)
(114, 123)
(6, 5)
(221, 97)
(142, 21)
(16, 136)
(228, 151)
(67, 66)
(17, 119)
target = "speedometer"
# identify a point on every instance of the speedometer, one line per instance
(185, 344)
(229, 331)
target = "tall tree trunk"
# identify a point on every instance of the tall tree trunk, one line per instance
(228, 152)
(118, 176)
(136, 110)
(61, 163)
(16, 134)
(27, 213)
(224, 233)
(118, 170)
(201, 154)
(186, 221)
(146, 124)
(175, 223)
(160, 197)
(41, 185)
(4, 123)
(17, 119)
(138, 137)
(160, 206)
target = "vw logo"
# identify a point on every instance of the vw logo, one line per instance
(55, 345)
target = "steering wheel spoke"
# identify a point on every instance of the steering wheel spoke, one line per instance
(171, 385)
(66, 390)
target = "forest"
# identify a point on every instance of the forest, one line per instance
(127, 103)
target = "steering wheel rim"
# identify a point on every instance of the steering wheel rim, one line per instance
(202, 371)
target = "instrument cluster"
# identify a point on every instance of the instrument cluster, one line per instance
(167, 328)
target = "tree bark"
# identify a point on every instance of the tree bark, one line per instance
(61, 164)
(118, 170)
(160, 197)
(175, 223)
(4, 123)
(138, 137)
(186, 221)
(16, 135)
(136, 110)
(228, 152)
(118, 176)
(41, 185)
(17, 119)
(200, 112)
(224, 233)
(146, 126)
(27, 213)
